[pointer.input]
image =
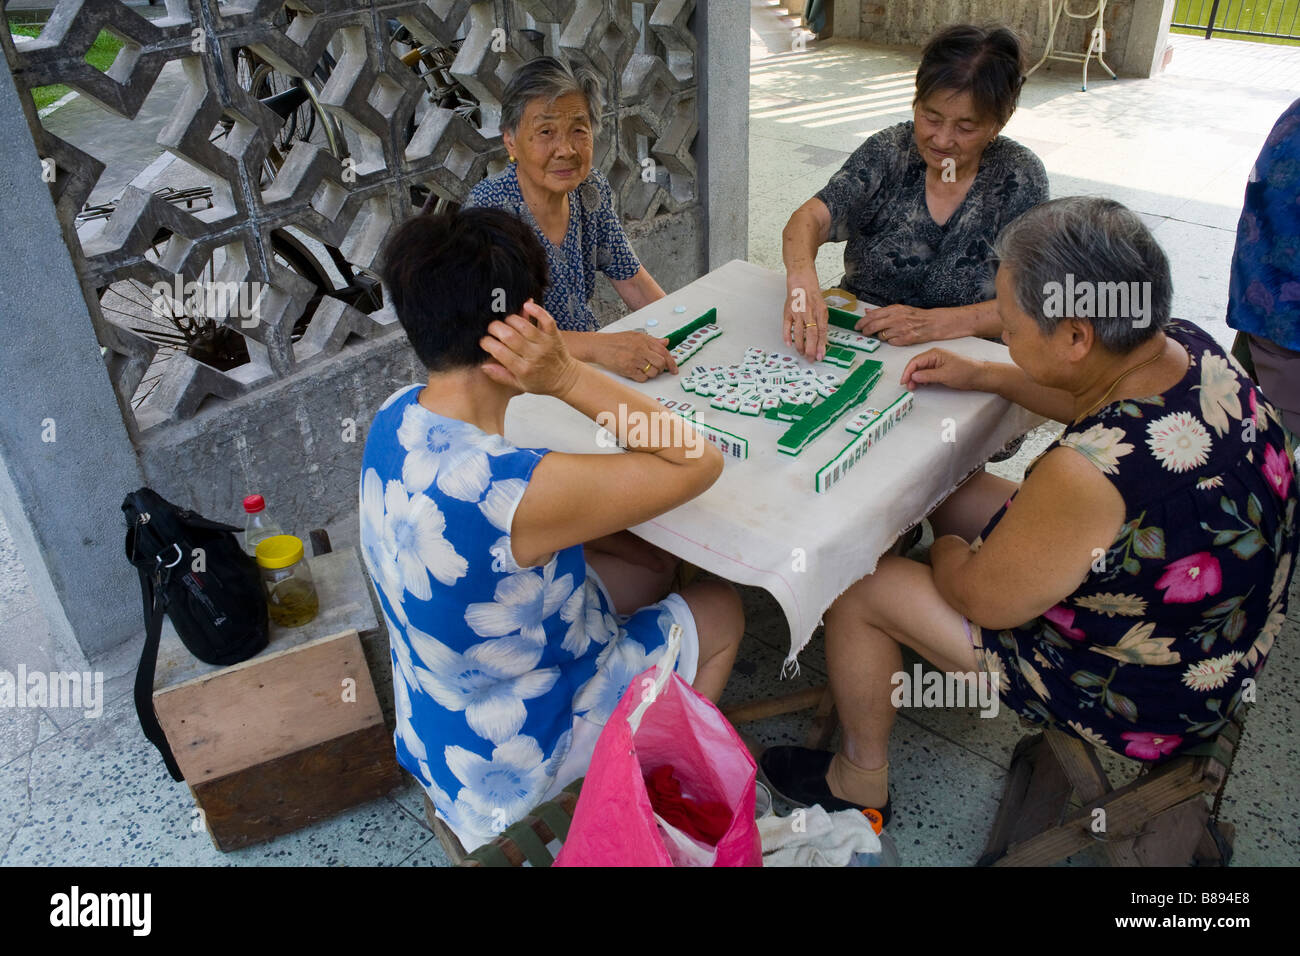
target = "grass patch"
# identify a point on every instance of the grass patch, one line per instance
(1262, 16)
(100, 55)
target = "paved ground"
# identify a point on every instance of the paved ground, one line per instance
(77, 790)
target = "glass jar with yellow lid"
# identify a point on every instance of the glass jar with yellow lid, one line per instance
(291, 597)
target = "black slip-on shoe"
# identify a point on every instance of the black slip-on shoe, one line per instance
(798, 774)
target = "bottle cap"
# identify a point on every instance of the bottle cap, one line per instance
(679, 308)
(279, 551)
(877, 821)
(254, 503)
(651, 323)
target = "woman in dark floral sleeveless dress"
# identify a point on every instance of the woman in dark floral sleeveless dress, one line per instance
(1129, 591)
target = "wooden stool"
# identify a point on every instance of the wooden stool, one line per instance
(524, 842)
(291, 736)
(1160, 819)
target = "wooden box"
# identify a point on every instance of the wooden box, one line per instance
(291, 736)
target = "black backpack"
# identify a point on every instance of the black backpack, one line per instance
(194, 570)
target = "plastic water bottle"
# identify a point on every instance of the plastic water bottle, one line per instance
(259, 524)
(888, 855)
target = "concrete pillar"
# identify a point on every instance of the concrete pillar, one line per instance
(66, 460)
(722, 58)
(845, 18)
(1148, 34)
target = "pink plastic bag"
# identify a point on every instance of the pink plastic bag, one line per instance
(614, 824)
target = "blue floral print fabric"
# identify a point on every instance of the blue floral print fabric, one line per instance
(595, 240)
(1264, 289)
(1151, 653)
(492, 663)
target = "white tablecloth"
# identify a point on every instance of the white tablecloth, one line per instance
(762, 523)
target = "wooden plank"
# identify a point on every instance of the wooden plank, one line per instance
(1128, 809)
(245, 716)
(772, 706)
(298, 789)
(1045, 802)
(1083, 769)
(451, 844)
(1013, 797)
(1172, 838)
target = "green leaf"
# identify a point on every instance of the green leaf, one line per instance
(1132, 566)
(1223, 537)
(1223, 607)
(1228, 505)
(1087, 679)
(1253, 510)
(1121, 705)
(1128, 408)
(1149, 543)
(1235, 624)
(1248, 545)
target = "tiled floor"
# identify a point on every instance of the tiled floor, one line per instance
(1177, 149)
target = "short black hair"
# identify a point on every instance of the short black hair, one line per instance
(986, 62)
(450, 275)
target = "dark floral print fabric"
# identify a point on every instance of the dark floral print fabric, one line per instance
(895, 251)
(1151, 654)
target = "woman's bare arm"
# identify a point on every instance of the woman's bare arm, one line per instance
(573, 498)
(638, 291)
(1064, 517)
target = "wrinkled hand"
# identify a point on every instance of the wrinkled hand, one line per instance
(903, 325)
(633, 355)
(531, 358)
(805, 320)
(941, 367)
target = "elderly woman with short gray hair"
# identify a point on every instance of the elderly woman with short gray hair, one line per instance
(1135, 580)
(550, 115)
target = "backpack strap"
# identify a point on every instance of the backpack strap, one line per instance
(153, 616)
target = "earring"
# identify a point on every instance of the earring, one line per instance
(512, 159)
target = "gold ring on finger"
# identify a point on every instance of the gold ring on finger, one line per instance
(648, 367)
(809, 325)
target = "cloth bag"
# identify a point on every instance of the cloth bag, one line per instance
(661, 721)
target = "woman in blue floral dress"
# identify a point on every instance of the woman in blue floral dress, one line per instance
(1129, 591)
(511, 643)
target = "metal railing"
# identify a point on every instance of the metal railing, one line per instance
(1270, 19)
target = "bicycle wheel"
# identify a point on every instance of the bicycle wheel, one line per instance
(184, 328)
(300, 122)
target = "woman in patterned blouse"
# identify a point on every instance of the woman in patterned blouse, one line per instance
(919, 204)
(549, 117)
(1129, 591)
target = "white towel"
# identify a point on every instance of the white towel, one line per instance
(813, 837)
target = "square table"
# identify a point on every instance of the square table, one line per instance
(762, 523)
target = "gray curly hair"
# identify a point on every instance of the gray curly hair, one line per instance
(549, 78)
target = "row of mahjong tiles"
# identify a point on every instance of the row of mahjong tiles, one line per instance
(869, 427)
